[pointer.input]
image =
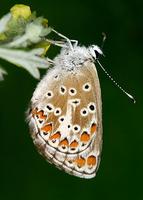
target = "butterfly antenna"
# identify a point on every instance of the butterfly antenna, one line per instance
(103, 39)
(129, 95)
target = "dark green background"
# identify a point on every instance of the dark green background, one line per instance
(24, 174)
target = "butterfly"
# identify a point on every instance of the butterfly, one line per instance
(65, 114)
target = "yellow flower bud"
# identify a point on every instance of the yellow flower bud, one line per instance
(20, 10)
(2, 37)
(45, 45)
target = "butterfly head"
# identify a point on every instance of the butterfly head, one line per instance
(95, 51)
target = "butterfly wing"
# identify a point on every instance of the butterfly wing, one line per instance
(65, 120)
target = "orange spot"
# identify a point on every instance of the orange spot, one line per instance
(85, 137)
(91, 160)
(40, 113)
(80, 162)
(74, 144)
(47, 128)
(93, 128)
(55, 136)
(64, 142)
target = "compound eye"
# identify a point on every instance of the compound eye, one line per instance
(97, 54)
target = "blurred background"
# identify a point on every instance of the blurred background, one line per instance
(24, 174)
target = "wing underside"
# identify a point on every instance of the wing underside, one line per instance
(65, 120)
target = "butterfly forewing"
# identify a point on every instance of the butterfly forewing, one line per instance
(65, 119)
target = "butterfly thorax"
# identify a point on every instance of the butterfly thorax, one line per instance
(71, 60)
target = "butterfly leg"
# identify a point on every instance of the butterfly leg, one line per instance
(57, 43)
(50, 61)
(75, 42)
(62, 36)
(62, 43)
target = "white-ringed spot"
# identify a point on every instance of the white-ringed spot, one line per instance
(76, 128)
(50, 107)
(86, 87)
(69, 126)
(91, 107)
(57, 111)
(61, 119)
(72, 91)
(49, 94)
(74, 102)
(62, 89)
(84, 112)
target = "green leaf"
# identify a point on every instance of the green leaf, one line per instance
(21, 30)
(29, 60)
(3, 22)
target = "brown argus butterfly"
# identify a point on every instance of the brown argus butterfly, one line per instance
(65, 115)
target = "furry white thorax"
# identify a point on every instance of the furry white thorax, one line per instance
(72, 59)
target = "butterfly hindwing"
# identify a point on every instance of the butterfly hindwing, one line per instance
(65, 119)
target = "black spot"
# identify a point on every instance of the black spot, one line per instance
(56, 76)
(72, 91)
(75, 128)
(62, 89)
(57, 111)
(91, 107)
(72, 148)
(45, 133)
(69, 126)
(63, 147)
(40, 121)
(49, 107)
(49, 94)
(62, 119)
(86, 86)
(84, 112)
(76, 102)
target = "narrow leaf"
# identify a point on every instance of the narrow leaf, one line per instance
(29, 60)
